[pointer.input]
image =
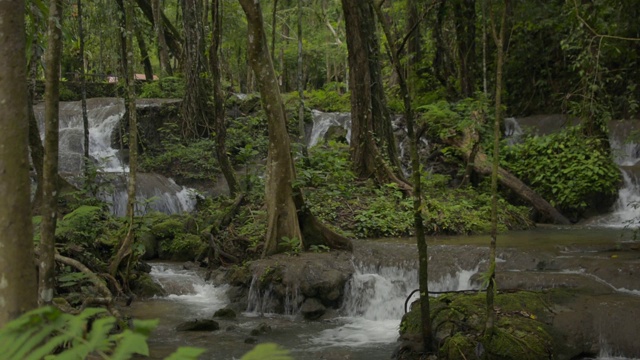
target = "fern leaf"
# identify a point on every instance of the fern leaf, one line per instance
(267, 351)
(185, 353)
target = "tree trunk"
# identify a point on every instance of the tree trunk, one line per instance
(130, 102)
(195, 109)
(300, 85)
(163, 52)
(370, 120)
(53, 53)
(287, 215)
(146, 62)
(83, 84)
(465, 23)
(423, 255)
(218, 100)
(171, 34)
(18, 284)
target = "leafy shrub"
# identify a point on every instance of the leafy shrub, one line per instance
(167, 87)
(568, 169)
(328, 99)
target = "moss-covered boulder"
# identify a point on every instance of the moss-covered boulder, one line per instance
(458, 322)
(143, 285)
(184, 247)
(81, 226)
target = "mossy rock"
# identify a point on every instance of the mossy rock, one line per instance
(143, 285)
(458, 322)
(150, 243)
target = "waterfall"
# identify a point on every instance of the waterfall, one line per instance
(374, 303)
(154, 191)
(323, 121)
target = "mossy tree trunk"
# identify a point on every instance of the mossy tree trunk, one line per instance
(220, 124)
(370, 119)
(423, 255)
(498, 36)
(287, 215)
(18, 284)
(50, 164)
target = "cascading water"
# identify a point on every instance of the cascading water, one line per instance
(323, 121)
(374, 304)
(154, 192)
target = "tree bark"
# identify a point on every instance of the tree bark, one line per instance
(146, 62)
(287, 216)
(171, 34)
(163, 52)
(83, 84)
(218, 100)
(465, 20)
(18, 284)
(195, 108)
(50, 187)
(370, 121)
(130, 101)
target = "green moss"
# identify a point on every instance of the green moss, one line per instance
(82, 225)
(143, 285)
(458, 322)
(168, 228)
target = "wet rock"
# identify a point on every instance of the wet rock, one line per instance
(150, 243)
(225, 313)
(263, 328)
(144, 286)
(198, 325)
(312, 309)
(250, 340)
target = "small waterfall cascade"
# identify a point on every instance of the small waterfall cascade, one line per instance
(374, 303)
(189, 288)
(626, 152)
(261, 301)
(324, 121)
(154, 191)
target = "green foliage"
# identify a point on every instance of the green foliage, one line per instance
(41, 332)
(566, 168)
(81, 226)
(361, 209)
(165, 226)
(195, 160)
(319, 248)
(183, 247)
(166, 87)
(329, 99)
(291, 245)
(267, 351)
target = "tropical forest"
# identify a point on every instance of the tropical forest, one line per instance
(319, 179)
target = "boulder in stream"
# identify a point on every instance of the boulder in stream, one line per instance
(198, 325)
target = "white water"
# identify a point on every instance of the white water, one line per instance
(322, 121)
(154, 192)
(374, 304)
(187, 287)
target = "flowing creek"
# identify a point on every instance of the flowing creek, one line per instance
(601, 260)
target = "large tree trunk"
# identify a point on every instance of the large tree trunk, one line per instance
(287, 216)
(53, 54)
(220, 124)
(195, 108)
(171, 34)
(465, 22)
(370, 121)
(18, 282)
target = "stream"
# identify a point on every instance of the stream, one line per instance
(601, 260)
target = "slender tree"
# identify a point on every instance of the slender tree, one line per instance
(218, 100)
(130, 103)
(287, 215)
(423, 256)
(18, 284)
(300, 84)
(498, 36)
(163, 52)
(370, 120)
(50, 165)
(83, 85)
